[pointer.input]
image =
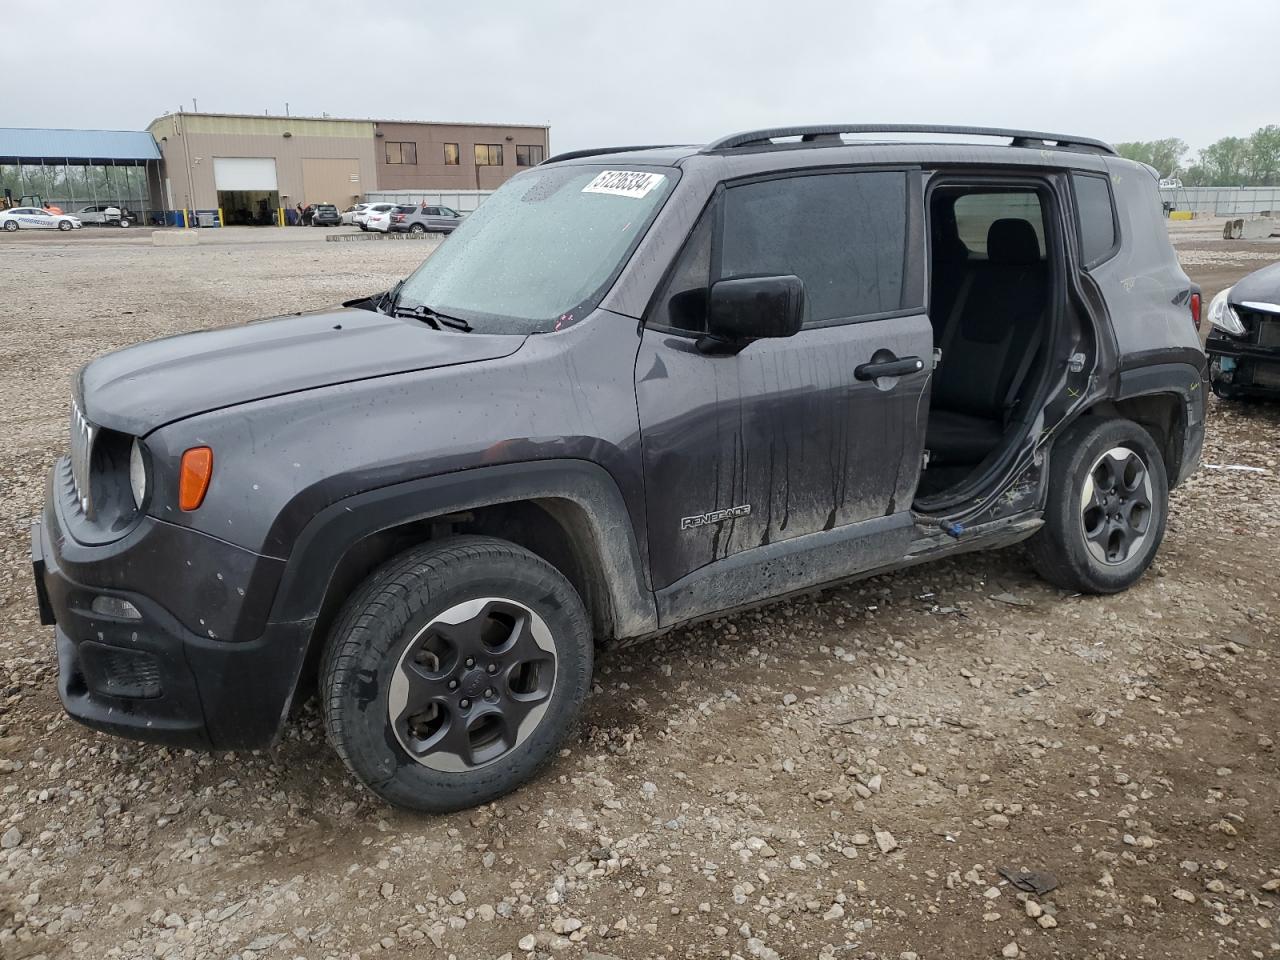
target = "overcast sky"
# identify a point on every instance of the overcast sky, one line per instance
(654, 71)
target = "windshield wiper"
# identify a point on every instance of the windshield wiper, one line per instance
(432, 317)
(391, 297)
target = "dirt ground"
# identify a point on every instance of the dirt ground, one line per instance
(839, 776)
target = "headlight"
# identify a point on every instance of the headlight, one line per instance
(137, 474)
(1223, 317)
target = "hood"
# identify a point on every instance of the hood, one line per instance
(1261, 286)
(140, 388)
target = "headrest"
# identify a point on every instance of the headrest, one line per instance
(1013, 241)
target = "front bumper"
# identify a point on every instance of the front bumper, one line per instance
(1237, 367)
(149, 676)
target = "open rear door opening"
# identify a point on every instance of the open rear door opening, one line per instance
(995, 293)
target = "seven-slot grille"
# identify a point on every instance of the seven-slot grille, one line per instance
(82, 437)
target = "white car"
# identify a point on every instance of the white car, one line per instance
(33, 218)
(103, 213)
(349, 215)
(364, 219)
(380, 220)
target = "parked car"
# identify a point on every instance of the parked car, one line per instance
(374, 210)
(636, 388)
(379, 221)
(349, 214)
(425, 219)
(35, 218)
(325, 215)
(1244, 337)
(103, 214)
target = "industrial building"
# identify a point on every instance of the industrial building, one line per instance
(255, 169)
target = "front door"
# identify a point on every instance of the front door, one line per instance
(786, 465)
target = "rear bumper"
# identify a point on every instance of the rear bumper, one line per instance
(143, 673)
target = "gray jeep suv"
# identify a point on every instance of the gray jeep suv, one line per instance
(637, 387)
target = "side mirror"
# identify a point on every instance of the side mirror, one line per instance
(752, 308)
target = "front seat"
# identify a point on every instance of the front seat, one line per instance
(988, 346)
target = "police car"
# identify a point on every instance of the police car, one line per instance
(33, 218)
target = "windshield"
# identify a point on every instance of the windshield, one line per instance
(540, 252)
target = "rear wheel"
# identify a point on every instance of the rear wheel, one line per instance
(1107, 507)
(418, 229)
(10, 226)
(455, 672)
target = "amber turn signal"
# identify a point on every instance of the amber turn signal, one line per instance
(193, 479)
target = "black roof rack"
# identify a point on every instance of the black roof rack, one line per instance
(830, 133)
(599, 151)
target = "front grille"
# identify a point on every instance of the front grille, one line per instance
(1266, 375)
(115, 672)
(1268, 331)
(83, 434)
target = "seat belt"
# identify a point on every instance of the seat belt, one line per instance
(962, 296)
(1024, 367)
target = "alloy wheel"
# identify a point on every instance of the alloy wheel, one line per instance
(472, 684)
(1116, 505)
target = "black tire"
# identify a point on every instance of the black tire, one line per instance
(10, 226)
(418, 229)
(125, 224)
(396, 612)
(1124, 542)
(64, 224)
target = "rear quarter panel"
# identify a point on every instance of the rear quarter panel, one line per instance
(1144, 285)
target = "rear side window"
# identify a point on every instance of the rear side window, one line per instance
(1096, 218)
(843, 234)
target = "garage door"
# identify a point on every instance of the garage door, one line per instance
(244, 173)
(330, 180)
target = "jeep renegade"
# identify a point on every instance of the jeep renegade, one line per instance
(637, 387)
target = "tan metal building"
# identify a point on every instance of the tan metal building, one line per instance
(252, 169)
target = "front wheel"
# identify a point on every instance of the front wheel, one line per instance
(125, 224)
(64, 224)
(1107, 507)
(455, 672)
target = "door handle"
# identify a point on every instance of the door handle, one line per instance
(888, 368)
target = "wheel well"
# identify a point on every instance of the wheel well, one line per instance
(555, 530)
(1163, 415)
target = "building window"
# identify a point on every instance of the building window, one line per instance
(488, 154)
(530, 155)
(450, 154)
(402, 152)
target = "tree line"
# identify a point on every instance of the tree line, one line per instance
(1252, 161)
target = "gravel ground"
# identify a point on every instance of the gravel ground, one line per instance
(843, 775)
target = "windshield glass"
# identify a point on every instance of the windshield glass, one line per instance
(540, 252)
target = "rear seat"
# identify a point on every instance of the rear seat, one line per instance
(989, 343)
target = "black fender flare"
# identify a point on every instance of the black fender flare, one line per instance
(325, 540)
(1182, 378)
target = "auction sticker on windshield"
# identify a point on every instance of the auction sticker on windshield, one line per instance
(624, 183)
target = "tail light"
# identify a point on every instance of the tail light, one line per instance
(1195, 308)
